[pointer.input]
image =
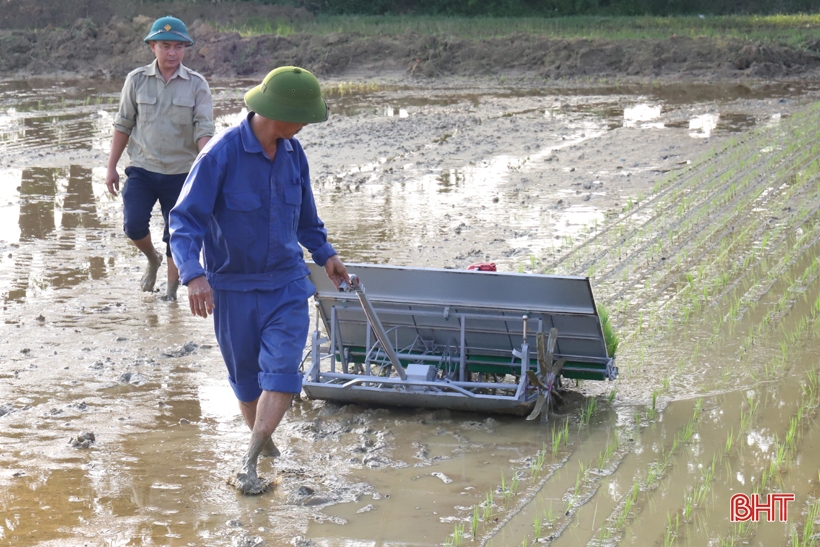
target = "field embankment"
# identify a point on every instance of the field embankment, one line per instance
(248, 39)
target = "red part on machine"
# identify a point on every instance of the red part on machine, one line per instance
(482, 267)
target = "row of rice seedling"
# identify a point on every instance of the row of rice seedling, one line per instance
(683, 233)
(680, 521)
(539, 512)
(698, 186)
(726, 249)
(742, 266)
(782, 450)
(502, 502)
(696, 497)
(614, 526)
(581, 491)
(694, 248)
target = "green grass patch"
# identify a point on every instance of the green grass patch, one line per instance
(794, 30)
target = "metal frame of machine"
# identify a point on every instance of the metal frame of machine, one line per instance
(455, 339)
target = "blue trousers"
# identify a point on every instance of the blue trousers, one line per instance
(141, 191)
(262, 335)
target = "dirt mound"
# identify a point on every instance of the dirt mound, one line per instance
(109, 44)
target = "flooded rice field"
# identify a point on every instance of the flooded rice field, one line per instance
(692, 208)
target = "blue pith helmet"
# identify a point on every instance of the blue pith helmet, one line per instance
(169, 29)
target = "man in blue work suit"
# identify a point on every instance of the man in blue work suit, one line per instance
(248, 198)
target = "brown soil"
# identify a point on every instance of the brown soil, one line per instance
(100, 38)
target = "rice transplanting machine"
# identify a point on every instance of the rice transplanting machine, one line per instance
(454, 339)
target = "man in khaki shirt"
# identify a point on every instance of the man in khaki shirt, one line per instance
(165, 118)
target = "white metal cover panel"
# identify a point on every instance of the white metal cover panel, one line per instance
(415, 299)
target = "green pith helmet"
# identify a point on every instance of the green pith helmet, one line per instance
(288, 94)
(169, 29)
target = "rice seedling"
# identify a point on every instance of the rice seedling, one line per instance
(556, 441)
(671, 529)
(474, 523)
(457, 537)
(550, 517)
(791, 434)
(652, 411)
(589, 411)
(610, 337)
(488, 507)
(629, 502)
(578, 479)
(688, 506)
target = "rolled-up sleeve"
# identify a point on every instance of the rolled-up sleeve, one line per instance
(126, 117)
(203, 112)
(191, 216)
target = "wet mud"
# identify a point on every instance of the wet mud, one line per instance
(692, 208)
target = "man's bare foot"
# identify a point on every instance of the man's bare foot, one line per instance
(149, 278)
(171, 291)
(248, 483)
(270, 450)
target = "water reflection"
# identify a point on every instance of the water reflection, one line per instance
(37, 192)
(638, 115)
(61, 501)
(703, 125)
(58, 231)
(390, 111)
(450, 180)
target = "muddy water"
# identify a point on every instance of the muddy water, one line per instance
(434, 176)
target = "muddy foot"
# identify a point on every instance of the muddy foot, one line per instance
(171, 292)
(149, 278)
(248, 483)
(270, 450)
